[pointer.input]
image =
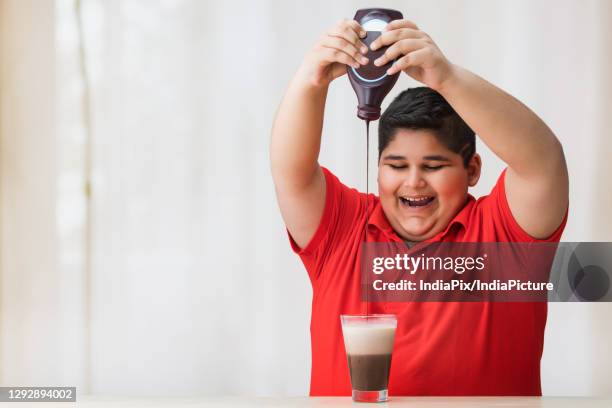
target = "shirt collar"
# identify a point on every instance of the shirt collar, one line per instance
(379, 220)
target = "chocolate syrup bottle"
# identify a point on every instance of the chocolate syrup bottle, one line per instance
(371, 83)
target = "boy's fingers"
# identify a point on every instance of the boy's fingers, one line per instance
(349, 35)
(335, 55)
(354, 25)
(398, 49)
(395, 24)
(390, 37)
(343, 45)
(415, 58)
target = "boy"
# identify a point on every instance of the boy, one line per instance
(427, 161)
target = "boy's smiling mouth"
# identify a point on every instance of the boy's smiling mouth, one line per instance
(416, 202)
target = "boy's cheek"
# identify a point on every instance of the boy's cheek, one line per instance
(388, 180)
(387, 190)
(384, 184)
(450, 184)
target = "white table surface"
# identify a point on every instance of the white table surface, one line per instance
(413, 402)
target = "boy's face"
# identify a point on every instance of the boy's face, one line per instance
(422, 184)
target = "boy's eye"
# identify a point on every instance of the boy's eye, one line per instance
(432, 168)
(404, 166)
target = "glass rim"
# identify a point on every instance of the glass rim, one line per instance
(367, 316)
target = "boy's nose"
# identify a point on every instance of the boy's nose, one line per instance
(415, 180)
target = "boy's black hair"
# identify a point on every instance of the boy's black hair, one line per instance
(424, 108)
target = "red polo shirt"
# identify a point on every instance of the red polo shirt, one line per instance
(441, 348)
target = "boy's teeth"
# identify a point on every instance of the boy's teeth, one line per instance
(417, 201)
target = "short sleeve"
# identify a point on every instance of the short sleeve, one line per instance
(506, 226)
(344, 207)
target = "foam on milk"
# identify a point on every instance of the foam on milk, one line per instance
(364, 338)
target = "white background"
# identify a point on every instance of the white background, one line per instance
(176, 277)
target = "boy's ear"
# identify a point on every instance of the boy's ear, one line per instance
(473, 168)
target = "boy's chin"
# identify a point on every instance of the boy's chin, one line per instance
(420, 232)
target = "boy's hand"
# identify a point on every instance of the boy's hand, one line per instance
(339, 47)
(415, 53)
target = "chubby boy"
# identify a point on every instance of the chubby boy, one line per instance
(427, 161)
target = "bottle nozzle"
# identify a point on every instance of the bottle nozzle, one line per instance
(367, 112)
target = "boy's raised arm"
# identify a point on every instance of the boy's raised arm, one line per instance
(536, 180)
(296, 133)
